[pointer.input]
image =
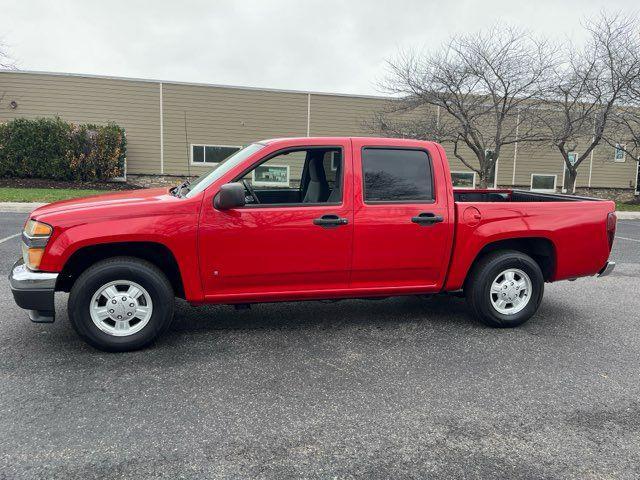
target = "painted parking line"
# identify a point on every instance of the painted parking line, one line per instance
(2, 240)
(618, 238)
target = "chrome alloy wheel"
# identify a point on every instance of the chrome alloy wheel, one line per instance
(511, 291)
(121, 308)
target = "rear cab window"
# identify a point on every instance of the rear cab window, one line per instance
(393, 175)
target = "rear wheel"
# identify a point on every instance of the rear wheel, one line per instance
(505, 288)
(121, 304)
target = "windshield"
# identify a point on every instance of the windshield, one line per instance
(203, 181)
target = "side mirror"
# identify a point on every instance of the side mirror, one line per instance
(231, 195)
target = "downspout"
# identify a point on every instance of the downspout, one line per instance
(161, 133)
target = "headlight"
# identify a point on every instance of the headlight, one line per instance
(34, 240)
(34, 228)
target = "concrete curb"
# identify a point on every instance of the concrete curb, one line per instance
(19, 207)
(24, 207)
(628, 215)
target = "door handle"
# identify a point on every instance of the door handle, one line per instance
(427, 218)
(328, 221)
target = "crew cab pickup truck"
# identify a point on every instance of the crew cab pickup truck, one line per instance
(304, 219)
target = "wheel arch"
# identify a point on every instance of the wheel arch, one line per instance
(540, 249)
(155, 253)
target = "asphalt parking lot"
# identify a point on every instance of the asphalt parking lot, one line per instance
(397, 388)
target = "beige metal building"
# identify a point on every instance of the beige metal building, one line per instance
(174, 128)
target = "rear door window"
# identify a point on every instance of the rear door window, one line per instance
(397, 175)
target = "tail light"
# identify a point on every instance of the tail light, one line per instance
(611, 228)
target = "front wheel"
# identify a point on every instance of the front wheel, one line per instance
(505, 288)
(121, 304)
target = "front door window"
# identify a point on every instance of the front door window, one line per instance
(298, 176)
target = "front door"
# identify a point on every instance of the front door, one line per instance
(403, 228)
(293, 237)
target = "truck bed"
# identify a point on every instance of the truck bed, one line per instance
(515, 196)
(571, 229)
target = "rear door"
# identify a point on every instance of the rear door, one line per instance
(403, 230)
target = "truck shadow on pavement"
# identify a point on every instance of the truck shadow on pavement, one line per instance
(441, 316)
(439, 312)
(387, 312)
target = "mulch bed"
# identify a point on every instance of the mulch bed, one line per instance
(64, 184)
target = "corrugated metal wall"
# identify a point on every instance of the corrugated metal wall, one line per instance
(217, 115)
(225, 116)
(131, 104)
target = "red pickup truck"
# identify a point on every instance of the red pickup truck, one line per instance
(305, 219)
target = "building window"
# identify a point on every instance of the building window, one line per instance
(543, 183)
(573, 158)
(394, 175)
(332, 167)
(492, 181)
(335, 161)
(463, 179)
(619, 155)
(201, 154)
(267, 175)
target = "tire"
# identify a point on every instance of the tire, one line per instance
(509, 304)
(144, 318)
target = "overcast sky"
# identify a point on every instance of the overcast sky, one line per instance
(331, 46)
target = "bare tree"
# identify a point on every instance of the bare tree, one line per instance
(481, 91)
(6, 62)
(590, 85)
(624, 133)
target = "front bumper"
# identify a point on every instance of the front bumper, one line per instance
(34, 291)
(607, 269)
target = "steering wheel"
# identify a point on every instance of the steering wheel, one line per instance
(251, 191)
